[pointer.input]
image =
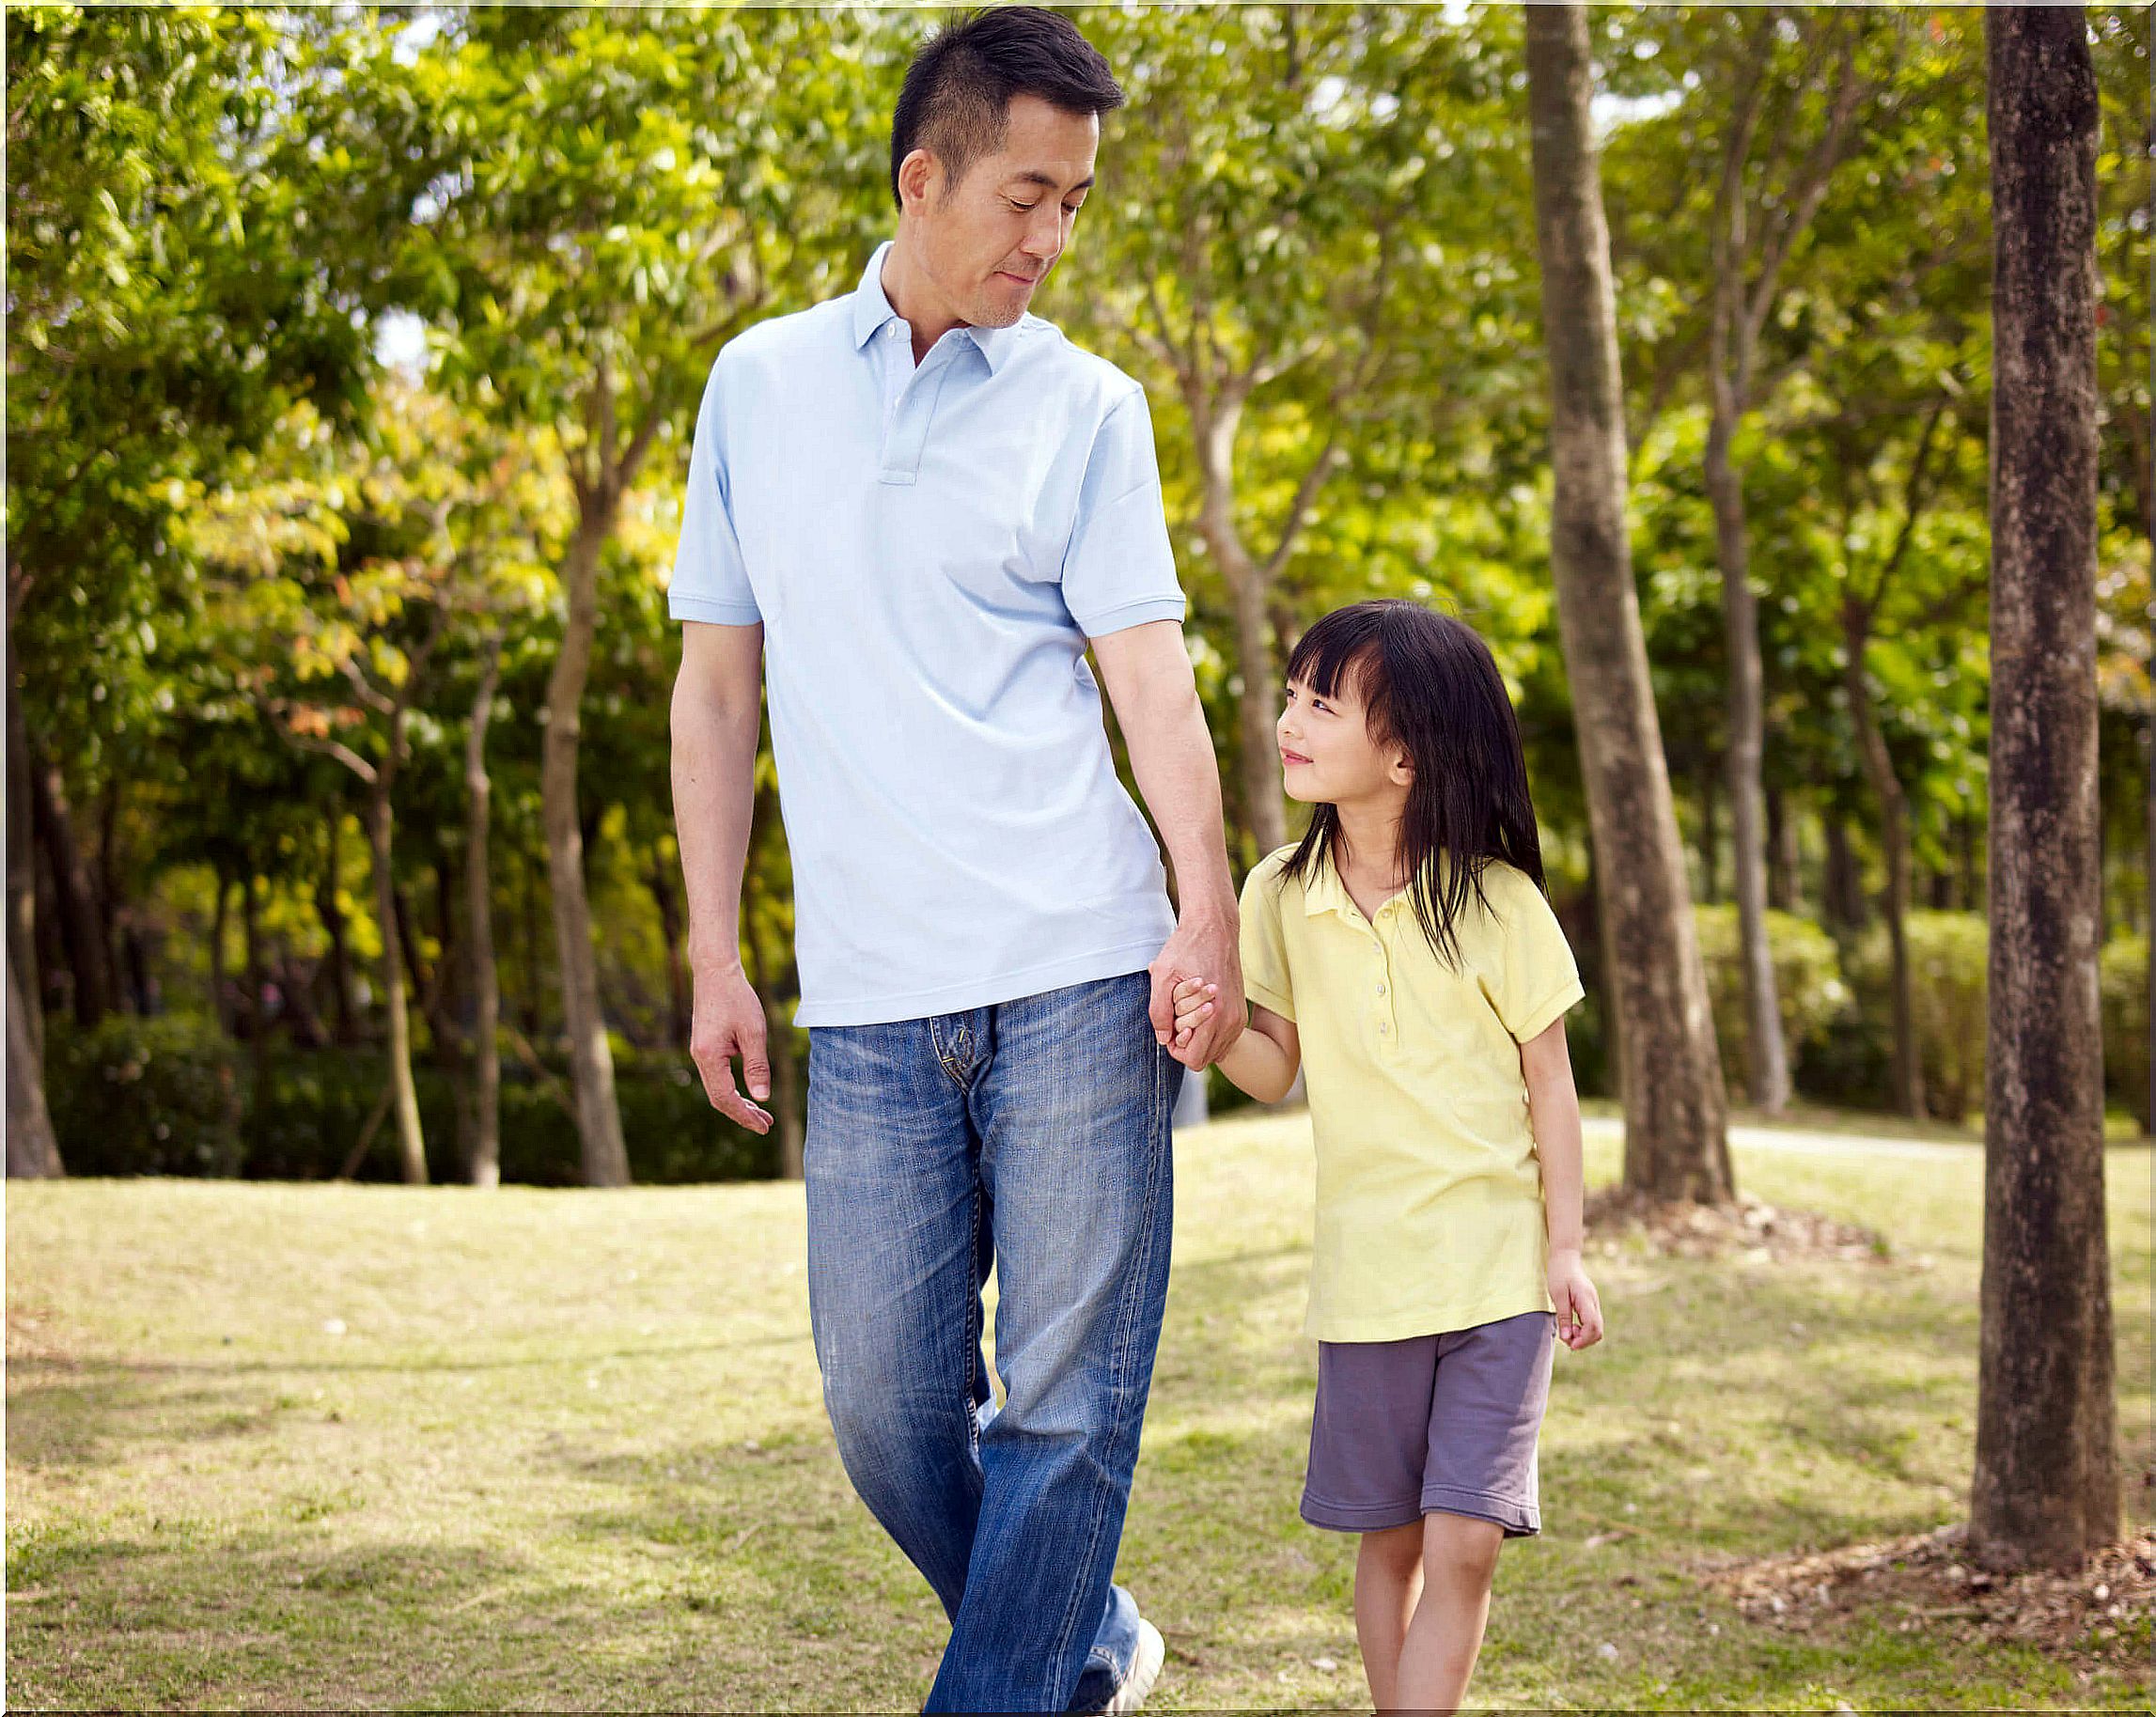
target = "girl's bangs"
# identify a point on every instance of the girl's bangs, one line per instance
(1323, 655)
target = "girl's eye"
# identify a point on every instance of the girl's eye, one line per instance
(1022, 208)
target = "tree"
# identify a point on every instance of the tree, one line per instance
(483, 971)
(1333, 265)
(606, 207)
(32, 1150)
(1676, 1140)
(1747, 271)
(2046, 1485)
(161, 321)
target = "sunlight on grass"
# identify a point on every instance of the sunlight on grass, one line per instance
(323, 1446)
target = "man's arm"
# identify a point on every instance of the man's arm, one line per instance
(1148, 676)
(716, 716)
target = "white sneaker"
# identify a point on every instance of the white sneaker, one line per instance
(1145, 1670)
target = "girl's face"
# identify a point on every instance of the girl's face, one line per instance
(1326, 751)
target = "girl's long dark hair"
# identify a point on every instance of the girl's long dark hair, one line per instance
(1428, 684)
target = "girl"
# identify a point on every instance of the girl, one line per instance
(1403, 955)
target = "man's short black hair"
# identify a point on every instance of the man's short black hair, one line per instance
(956, 99)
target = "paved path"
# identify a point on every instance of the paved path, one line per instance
(1816, 1144)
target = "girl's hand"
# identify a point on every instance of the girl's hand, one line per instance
(1579, 1310)
(1193, 1004)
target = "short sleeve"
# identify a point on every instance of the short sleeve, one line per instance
(1539, 980)
(710, 580)
(1264, 946)
(1118, 570)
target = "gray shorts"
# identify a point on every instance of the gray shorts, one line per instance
(1432, 1425)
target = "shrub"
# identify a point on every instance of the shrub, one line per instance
(2125, 1006)
(130, 1096)
(174, 1094)
(1808, 982)
(1946, 970)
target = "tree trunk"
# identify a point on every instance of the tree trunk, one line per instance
(134, 962)
(76, 899)
(110, 909)
(295, 979)
(1214, 423)
(1841, 888)
(2046, 1484)
(1894, 838)
(528, 945)
(679, 998)
(590, 1061)
(258, 1006)
(1768, 1065)
(1676, 1110)
(22, 877)
(332, 914)
(403, 1094)
(785, 1085)
(416, 985)
(1709, 834)
(218, 1008)
(481, 971)
(33, 1151)
(1785, 875)
(251, 945)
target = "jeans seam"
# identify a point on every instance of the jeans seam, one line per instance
(972, 1327)
(1128, 1312)
(944, 1059)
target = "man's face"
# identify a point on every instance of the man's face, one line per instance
(987, 242)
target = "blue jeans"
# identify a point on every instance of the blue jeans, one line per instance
(1035, 1133)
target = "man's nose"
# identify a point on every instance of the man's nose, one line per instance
(1044, 234)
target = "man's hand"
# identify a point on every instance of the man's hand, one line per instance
(1204, 950)
(1195, 1003)
(729, 1022)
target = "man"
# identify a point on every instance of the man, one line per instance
(910, 509)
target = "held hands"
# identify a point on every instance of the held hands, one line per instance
(1197, 1003)
(1579, 1310)
(1202, 943)
(728, 1021)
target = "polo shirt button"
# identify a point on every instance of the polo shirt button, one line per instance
(1381, 989)
(1382, 1028)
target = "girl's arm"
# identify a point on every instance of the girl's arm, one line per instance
(1554, 1106)
(1262, 1057)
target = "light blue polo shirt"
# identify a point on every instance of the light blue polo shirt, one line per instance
(927, 551)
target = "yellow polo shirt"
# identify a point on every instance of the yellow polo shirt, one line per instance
(1430, 1192)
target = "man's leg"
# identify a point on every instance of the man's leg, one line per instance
(894, 1288)
(1072, 1106)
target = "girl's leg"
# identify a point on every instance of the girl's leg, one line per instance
(1459, 1561)
(1388, 1579)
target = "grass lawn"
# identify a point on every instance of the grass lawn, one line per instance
(276, 1446)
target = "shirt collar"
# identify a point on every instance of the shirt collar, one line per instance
(1323, 891)
(872, 310)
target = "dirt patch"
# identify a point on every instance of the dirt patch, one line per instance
(1749, 1229)
(1925, 1583)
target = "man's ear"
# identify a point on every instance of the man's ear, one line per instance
(920, 178)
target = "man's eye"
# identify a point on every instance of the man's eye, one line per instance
(1022, 207)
